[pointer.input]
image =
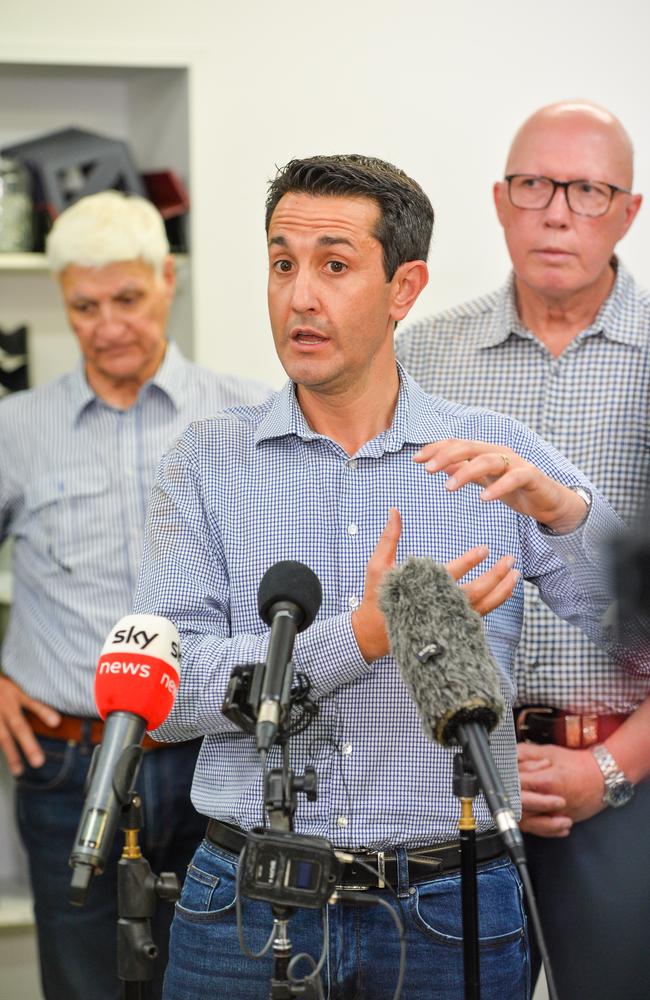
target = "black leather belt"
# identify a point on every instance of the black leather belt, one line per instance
(423, 862)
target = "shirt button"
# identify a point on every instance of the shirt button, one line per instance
(351, 464)
(346, 749)
(353, 602)
(342, 821)
(353, 529)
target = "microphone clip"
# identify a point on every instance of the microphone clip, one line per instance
(242, 700)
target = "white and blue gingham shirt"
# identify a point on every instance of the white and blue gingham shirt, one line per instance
(75, 478)
(257, 485)
(593, 403)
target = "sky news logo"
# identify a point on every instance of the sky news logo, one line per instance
(142, 670)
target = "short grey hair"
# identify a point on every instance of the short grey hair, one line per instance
(106, 228)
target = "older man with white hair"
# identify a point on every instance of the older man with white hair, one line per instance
(77, 458)
(564, 347)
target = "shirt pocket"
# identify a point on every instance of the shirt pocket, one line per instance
(65, 518)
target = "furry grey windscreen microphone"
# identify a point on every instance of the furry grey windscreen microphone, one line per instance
(441, 651)
(440, 648)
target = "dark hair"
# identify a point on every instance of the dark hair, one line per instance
(406, 215)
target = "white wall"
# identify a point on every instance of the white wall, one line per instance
(437, 88)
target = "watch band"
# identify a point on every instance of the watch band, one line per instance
(618, 788)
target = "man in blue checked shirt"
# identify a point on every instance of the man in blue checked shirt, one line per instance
(77, 459)
(564, 346)
(348, 469)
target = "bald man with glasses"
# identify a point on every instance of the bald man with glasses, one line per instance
(563, 346)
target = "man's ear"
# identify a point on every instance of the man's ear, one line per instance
(632, 208)
(500, 195)
(169, 275)
(408, 281)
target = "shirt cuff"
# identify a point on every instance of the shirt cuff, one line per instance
(329, 655)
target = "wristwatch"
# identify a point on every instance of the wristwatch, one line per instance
(618, 790)
(584, 495)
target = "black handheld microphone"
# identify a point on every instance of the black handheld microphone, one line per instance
(288, 600)
(439, 644)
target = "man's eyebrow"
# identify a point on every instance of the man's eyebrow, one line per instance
(332, 241)
(80, 298)
(323, 241)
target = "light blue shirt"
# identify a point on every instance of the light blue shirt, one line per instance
(75, 477)
(257, 485)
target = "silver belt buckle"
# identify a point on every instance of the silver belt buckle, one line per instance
(381, 870)
(381, 877)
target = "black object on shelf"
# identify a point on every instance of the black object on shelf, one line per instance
(70, 164)
(13, 360)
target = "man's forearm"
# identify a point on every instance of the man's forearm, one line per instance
(630, 744)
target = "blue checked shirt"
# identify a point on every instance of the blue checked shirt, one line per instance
(75, 477)
(256, 485)
(593, 404)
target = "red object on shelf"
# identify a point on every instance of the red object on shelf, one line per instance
(166, 190)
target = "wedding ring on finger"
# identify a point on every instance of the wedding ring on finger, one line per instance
(506, 462)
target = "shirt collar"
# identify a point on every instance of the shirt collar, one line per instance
(505, 319)
(416, 420)
(618, 318)
(169, 379)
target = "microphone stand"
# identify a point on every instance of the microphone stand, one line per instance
(137, 891)
(465, 786)
(281, 787)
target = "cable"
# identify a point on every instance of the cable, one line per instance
(314, 975)
(240, 926)
(524, 874)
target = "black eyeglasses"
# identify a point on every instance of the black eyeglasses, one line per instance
(591, 198)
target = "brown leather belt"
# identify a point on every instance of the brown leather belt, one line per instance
(74, 729)
(423, 862)
(541, 724)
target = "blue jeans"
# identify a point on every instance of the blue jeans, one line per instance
(77, 945)
(206, 962)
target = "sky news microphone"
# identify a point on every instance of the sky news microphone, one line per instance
(288, 600)
(135, 686)
(440, 647)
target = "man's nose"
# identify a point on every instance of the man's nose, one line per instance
(305, 294)
(109, 317)
(557, 212)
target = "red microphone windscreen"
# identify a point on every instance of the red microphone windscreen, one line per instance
(138, 669)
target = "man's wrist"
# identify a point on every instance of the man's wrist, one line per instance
(371, 636)
(574, 515)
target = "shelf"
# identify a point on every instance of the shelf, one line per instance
(16, 910)
(5, 586)
(22, 262)
(37, 262)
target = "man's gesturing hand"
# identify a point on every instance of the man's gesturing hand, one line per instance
(507, 477)
(368, 621)
(484, 593)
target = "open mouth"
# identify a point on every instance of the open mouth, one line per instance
(308, 338)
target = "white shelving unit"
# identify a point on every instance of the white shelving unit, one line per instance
(146, 106)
